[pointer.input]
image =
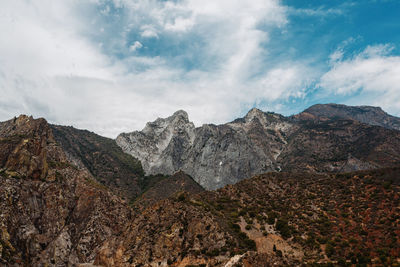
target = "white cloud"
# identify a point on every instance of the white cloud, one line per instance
(180, 25)
(374, 72)
(148, 31)
(136, 45)
(50, 67)
(290, 81)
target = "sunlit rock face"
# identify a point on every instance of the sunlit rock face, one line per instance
(323, 138)
(215, 155)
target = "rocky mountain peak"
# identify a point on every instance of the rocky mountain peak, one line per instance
(179, 119)
(162, 136)
(254, 113)
(50, 211)
(216, 155)
(181, 114)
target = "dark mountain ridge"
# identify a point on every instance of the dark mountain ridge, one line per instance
(364, 114)
(102, 158)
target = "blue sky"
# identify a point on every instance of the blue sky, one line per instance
(112, 65)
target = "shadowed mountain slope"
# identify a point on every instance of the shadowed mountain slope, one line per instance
(103, 159)
(167, 187)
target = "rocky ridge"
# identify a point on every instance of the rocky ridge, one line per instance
(51, 212)
(103, 158)
(216, 155)
(364, 114)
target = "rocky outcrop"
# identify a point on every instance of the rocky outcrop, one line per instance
(216, 155)
(340, 146)
(51, 212)
(173, 232)
(160, 144)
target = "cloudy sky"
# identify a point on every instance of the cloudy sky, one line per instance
(111, 65)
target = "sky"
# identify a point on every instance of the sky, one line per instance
(110, 66)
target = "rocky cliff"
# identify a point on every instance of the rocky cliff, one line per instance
(51, 212)
(216, 155)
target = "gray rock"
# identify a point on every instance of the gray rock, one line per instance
(324, 138)
(215, 155)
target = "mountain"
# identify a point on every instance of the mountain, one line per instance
(274, 219)
(340, 146)
(364, 114)
(55, 212)
(51, 212)
(103, 158)
(216, 155)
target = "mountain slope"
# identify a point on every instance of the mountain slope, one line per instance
(340, 146)
(167, 187)
(274, 219)
(103, 159)
(364, 114)
(216, 155)
(50, 211)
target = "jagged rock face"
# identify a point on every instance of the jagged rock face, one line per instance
(365, 114)
(51, 212)
(161, 143)
(216, 155)
(213, 155)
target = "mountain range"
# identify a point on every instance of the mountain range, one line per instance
(323, 138)
(319, 187)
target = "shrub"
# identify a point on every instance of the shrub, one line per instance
(213, 253)
(181, 197)
(283, 227)
(329, 250)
